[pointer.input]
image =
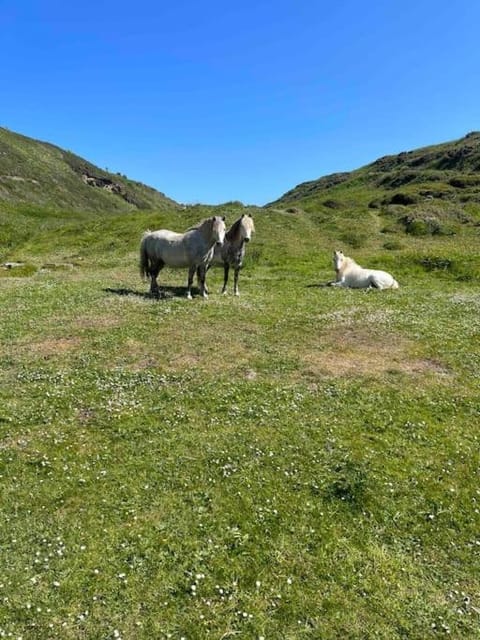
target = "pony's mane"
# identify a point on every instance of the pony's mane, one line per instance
(199, 224)
(234, 229)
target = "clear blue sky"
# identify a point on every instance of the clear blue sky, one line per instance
(214, 101)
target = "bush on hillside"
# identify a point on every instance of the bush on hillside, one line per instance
(332, 204)
(403, 199)
(425, 225)
(354, 238)
(393, 245)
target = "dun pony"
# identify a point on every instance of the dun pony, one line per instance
(232, 252)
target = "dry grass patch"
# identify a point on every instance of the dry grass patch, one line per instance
(365, 351)
(50, 346)
(98, 322)
(200, 353)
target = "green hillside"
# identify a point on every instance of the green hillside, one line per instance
(42, 174)
(44, 189)
(430, 191)
(300, 462)
(445, 171)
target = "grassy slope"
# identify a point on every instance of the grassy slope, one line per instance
(433, 191)
(42, 175)
(299, 462)
(438, 170)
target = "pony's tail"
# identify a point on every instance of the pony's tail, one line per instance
(144, 261)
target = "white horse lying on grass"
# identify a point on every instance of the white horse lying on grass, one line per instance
(350, 274)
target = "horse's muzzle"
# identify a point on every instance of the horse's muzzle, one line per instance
(247, 239)
(219, 243)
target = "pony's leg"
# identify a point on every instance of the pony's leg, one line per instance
(205, 279)
(191, 273)
(154, 271)
(226, 268)
(236, 292)
(374, 283)
(204, 276)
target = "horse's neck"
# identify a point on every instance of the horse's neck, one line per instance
(236, 243)
(233, 235)
(206, 234)
(347, 264)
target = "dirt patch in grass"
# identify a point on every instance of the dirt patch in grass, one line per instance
(364, 351)
(180, 356)
(14, 443)
(98, 322)
(52, 346)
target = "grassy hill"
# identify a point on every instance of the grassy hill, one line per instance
(44, 189)
(42, 174)
(300, 462)
(444, 171)
(432, 191)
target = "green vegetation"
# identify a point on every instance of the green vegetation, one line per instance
(300, 462)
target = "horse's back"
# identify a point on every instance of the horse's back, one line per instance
(167, 246)
(166, 235)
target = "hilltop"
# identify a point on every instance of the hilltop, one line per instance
(441, 171)
(44, 175)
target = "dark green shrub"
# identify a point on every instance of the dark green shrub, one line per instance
(332, 204)
(403, 198)
(436, 263)
(393, 245)
(355, 239)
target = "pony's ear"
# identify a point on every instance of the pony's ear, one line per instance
(223, 218)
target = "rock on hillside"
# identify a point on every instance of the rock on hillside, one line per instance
(44, 175)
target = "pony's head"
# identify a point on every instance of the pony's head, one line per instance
(218, 229)
(246, 227)
(338, 260)
(241, 230)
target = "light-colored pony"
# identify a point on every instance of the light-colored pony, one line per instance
(232, 252)
(192, 249)
(350, 274)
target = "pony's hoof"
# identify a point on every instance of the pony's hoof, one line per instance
(237, 293)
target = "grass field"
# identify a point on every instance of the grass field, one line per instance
(299, 462)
